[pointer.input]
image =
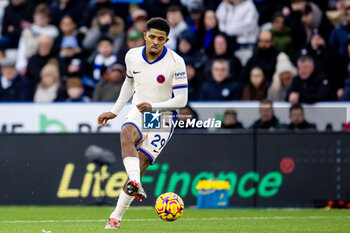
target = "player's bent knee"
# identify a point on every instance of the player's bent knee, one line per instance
(129, 134)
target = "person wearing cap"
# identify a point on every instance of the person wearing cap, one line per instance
(68, 27)
(134, 39)
(75, 91)
(13, 87)
(71, 61)
(109, 87)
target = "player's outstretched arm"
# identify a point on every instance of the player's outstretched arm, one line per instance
(125, 93)
(124, 96)
(104, 117)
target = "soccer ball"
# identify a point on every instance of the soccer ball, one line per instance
(169, 206)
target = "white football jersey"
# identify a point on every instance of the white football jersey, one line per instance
(155, 81)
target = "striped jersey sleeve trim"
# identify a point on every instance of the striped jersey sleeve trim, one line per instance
(129, 76)
(180, 86)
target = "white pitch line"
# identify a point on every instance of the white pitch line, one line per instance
(183, 219)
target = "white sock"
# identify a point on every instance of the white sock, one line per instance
(123, 204)
(132, 167)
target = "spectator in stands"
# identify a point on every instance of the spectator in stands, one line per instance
(104, 58)
(156, 8)
(105, 24)
(297, 118)
(38, 60)
(281, 82)
(28, 41)
(134, 39)
(187, 49)
(257, 87)
(339, 36)
(17, 16)
(75, 91)
(281, 34)
(72, 62)
(109, 87)
(318, 49)
(13, 86)
(49, 84)
(187, 113)
(230, 120)
(221, 86)
(67, 28)
(195, 9)
(220, 48)
(344, 93)
(177, 25)
(342, 75)
(139, 19)
(294, 20)
(194, 82)
(266, 56)
(266, 8)
(239, 19)
(312, 18)
(338, 39)
(71, 8)
(207, 29)
(310, 85)
(97, 5)
(267, 118)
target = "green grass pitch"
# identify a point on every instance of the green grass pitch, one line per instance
(87, 219)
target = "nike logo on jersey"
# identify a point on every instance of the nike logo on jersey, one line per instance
(135, 72)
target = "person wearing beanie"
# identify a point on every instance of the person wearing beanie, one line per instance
(281, 81)
(49, 84)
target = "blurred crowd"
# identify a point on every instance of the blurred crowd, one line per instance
(73, 50)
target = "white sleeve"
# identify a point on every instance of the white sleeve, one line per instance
(21, 55)
(221, 15)
(180, 90)
(126, 92)
(179, 101)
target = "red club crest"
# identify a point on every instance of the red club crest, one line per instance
(160, 78)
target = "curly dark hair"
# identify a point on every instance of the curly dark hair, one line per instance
(159, 24)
